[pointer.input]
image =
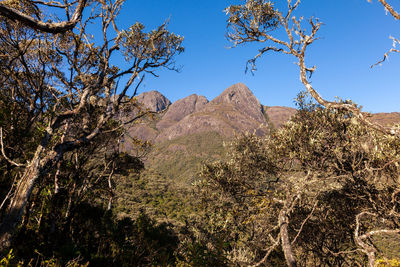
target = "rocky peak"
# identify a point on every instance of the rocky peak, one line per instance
(235, 110)
(153, 100)
(240, 96)
(181, 108)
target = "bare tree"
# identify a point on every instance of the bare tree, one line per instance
(69, 85)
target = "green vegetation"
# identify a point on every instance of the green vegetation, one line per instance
(322, 190)
(181, 158)
(311, 192)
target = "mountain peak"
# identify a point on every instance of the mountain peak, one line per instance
(181, 108)
(153, 100)
(240, 96)
(233, 93)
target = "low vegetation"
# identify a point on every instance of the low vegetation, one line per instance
(322, 190)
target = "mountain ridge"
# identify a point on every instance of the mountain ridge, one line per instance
(192, 130)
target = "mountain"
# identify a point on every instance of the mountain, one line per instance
(386, 119)
(278, 115)
(180, 109)
(235, 110)
(192, 130)
(240, 97)
(145, 128)
(153, 100)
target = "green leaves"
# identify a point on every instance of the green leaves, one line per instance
(251, 20)
(154, 46)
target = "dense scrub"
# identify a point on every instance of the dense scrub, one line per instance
(334, 180)
(323, 188)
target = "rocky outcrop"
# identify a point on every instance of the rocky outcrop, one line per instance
(180, 109)
(235, 110)
(240, 96)
(153, 101)
(144, 129)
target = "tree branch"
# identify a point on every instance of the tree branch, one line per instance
(4, 154)
(50, 27)
(389, 8)
(270, 250)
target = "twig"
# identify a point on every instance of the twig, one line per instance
(304, 222)
(270, 250)
(4, 154)
(9, 193)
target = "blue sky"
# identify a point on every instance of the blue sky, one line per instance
(355, 35)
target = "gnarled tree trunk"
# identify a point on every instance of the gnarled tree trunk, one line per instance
(285, 241)
(16, 208)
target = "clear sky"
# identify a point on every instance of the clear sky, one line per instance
(354, 36)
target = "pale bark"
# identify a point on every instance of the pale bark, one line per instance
(50, 27)
(17, 206)
(23, 190)
(389, 8)
(285, 241)
(367, 249)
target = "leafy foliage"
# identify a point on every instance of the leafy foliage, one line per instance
(323, 169)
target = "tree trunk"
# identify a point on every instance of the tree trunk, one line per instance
(16, 208)
(285, 241)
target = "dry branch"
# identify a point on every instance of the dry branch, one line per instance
(50, 27)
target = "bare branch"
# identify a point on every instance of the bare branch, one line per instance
(276, 243)
(50, 27)
(4, 153)
(244, 24)
(392, 50)
(368, 249)
(389, 8)
(304, 222)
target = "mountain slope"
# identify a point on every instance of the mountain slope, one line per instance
(180, 109)
(192, 130)
(278, 115)
(235, 110)
(386, 119)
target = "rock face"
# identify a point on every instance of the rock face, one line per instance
(180, 109)
(240, 96)
(235, 110)
(144, 129)
(153, 100)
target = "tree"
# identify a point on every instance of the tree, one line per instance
(67, 85)
(320, 191)
(256, 20)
